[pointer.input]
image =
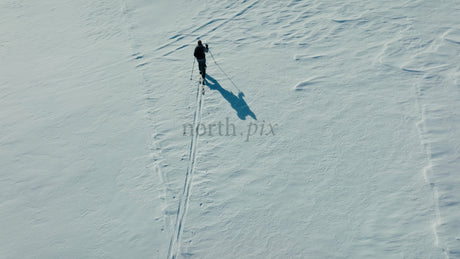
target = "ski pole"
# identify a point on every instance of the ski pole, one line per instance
(193, 66)
(224, 71)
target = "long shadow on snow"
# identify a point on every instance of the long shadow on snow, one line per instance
(237, 102)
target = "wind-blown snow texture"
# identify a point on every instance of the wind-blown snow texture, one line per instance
(329, 129)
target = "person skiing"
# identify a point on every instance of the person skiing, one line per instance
(200, 56)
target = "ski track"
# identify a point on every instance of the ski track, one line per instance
(174, 245)
(175, 242)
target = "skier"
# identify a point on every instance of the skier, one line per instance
(201, 58)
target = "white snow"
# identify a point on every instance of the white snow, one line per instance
(328, 129)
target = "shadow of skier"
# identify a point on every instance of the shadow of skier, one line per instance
(237, 102)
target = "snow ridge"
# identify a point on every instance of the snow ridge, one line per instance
(428, 170)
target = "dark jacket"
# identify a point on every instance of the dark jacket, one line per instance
(199, 52)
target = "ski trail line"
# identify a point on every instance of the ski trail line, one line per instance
(174, 245)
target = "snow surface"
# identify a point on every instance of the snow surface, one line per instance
(329, 129)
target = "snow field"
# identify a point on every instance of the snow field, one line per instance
(363, 99)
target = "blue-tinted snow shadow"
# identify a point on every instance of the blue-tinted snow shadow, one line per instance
(237, 102)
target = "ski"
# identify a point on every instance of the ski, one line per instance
(202, 83)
